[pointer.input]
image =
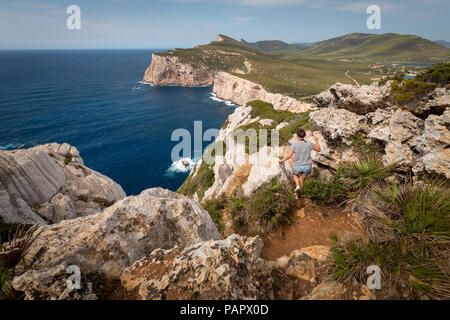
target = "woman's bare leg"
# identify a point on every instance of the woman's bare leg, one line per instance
(296, 179)
(302, 179)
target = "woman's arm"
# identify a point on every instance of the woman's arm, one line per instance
(288, 156)
(317, 145)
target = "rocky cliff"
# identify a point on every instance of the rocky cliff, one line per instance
(241, 91)
(49, 183)
(170, 70)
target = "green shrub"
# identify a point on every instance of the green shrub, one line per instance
(265, 110)
(8, 230)
(235, 204)
(202, 181)
(266, 208)
(409, 244)
(409, 90)
(215, 209)
(421, 209)
(13, 252)
(324, 191)
(439, 74)
(358, 176)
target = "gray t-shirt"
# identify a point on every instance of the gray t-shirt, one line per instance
(302, 152)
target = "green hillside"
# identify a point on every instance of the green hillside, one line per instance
(274, 45)
(388, 47)
(339, 43)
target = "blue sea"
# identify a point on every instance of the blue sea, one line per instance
(88, 99)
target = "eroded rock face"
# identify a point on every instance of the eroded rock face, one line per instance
(368, 98)
(359, 100)
(241, 91)
(170, 70)
(112, 240)
(407, 141)
(433, 145)
(224, 269)
(337, 124)
(49, 183)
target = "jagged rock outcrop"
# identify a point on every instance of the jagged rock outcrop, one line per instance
(170, 70)
(223, 269)
(49, 183)
(357, 99)
(110, 241)
(241, 91)
(433, 146)
(368, 98)
(407, 140)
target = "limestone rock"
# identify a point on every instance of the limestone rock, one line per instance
(170, 70)
(301, 265)
(265, 167)
(51, 284)
(357, 99)
(438, 102)
(433, 146)
(224, 269)
(326, 290)
(317, 252)
(43, 185)
(406, 140)
(242, 91)
(369, 98)
(335, 124)
(112, 240)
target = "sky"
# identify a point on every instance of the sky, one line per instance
(164, 24)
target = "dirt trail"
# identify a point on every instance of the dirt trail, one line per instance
(347, 73)
(311, 225)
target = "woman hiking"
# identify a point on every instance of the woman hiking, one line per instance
(302, 165)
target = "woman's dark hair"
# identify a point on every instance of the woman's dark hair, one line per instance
(301, 133)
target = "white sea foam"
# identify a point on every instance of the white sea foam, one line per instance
(181, 165)
(213, 96)
(172, 85)
(147, 83)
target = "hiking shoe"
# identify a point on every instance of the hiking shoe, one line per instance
(297, 189)
(296, 196)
